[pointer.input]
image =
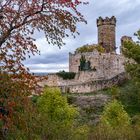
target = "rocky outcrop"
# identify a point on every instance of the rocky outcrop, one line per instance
(90, 107)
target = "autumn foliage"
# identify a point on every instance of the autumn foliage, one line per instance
(19, 21)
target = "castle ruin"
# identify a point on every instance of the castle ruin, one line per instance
(98, 70)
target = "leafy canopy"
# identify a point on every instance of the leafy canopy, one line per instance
(57, 115)
(132, 51)
(114, 115)
(55, 106)
(20, 19)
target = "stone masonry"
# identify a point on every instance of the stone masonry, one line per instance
(106, 33)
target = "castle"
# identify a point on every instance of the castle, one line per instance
(94, 70)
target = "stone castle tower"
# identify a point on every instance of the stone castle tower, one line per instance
(95, 70)
(107, 33)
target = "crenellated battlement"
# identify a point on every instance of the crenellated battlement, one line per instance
(106, 21)
(107, 33)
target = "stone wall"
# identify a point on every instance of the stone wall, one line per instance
(92, 86)
(83, 84)
(106, 64)
(52, 80)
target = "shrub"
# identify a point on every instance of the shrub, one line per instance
(66, 75)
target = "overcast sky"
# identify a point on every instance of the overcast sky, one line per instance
(53, 59)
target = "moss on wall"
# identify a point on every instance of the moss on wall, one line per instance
(90, 48)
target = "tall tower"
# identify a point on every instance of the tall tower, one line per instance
(107, 33)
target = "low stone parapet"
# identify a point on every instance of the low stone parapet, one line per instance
(96, 85)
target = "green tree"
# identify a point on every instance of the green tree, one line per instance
(130, 95)
(114, 115)
(58, 116)
(131, 50)
(19, 21)
(114, 124)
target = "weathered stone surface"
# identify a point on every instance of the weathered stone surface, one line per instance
(107, 33)
(93, 85)
(106, 64)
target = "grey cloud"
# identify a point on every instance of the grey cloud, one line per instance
(49, 59)
(128, 22)
(47, 67)
(54, 67)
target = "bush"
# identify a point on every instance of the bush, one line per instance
(66, 75)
